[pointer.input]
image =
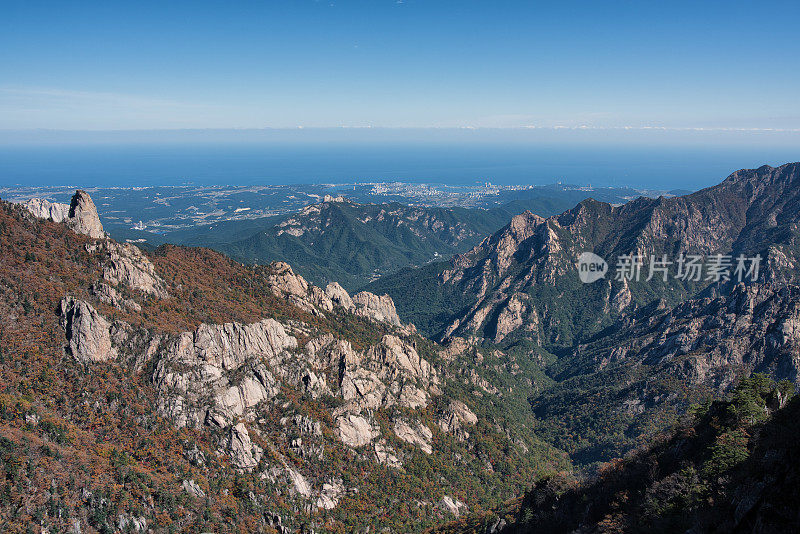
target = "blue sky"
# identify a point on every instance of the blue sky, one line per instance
(680, 66)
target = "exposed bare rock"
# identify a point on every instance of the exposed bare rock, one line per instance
(456, 346)
(511, 316)
(283, 282)
(111, 296)
(398, 357)
(83, 216)
(243, 452)
(128, 266)
(414, 433)
(339, 296)
(216, 373)
(330, 495)
(193, 488)
(131, 523)
(377, 308)
(789, 330)
(44, 209)
(80, 214)
(453, 506)
(413, 397)
(286, 284)
(88, 332)
(300, 484)
(753, 212)
(227, 345)
(363, 388)
(303, 424)
(622, 297)
(456, 417)
(355, 430)
(387, 455)
(480, 382)
(389, 373)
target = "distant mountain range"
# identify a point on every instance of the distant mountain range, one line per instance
(353, 244)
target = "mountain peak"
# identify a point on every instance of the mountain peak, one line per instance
(83, 215)
(80, 214)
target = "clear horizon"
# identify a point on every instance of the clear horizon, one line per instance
(711, 67)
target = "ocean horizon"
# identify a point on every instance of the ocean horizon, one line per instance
(206, 164)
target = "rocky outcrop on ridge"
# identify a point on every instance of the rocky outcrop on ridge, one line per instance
(710, 340)
(513, 276)
(294, 288)
(44, 209)
(223, 398)
(216, 373)
(378, 308)
(87, 332)
(126, 265)
(111, 296)
(80, 214)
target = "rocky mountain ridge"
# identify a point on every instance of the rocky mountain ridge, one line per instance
(631, 353)
(312, 397)
(739, 216)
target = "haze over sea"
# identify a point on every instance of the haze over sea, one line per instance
(147, 164)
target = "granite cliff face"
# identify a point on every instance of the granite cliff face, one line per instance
(44, 209)
(87, 332)
(294, 288)
(751, 212)
(226, 378)
(624, 351)
(80, 214)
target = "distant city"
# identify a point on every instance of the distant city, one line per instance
(170, 208)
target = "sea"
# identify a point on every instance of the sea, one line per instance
(142, 164)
